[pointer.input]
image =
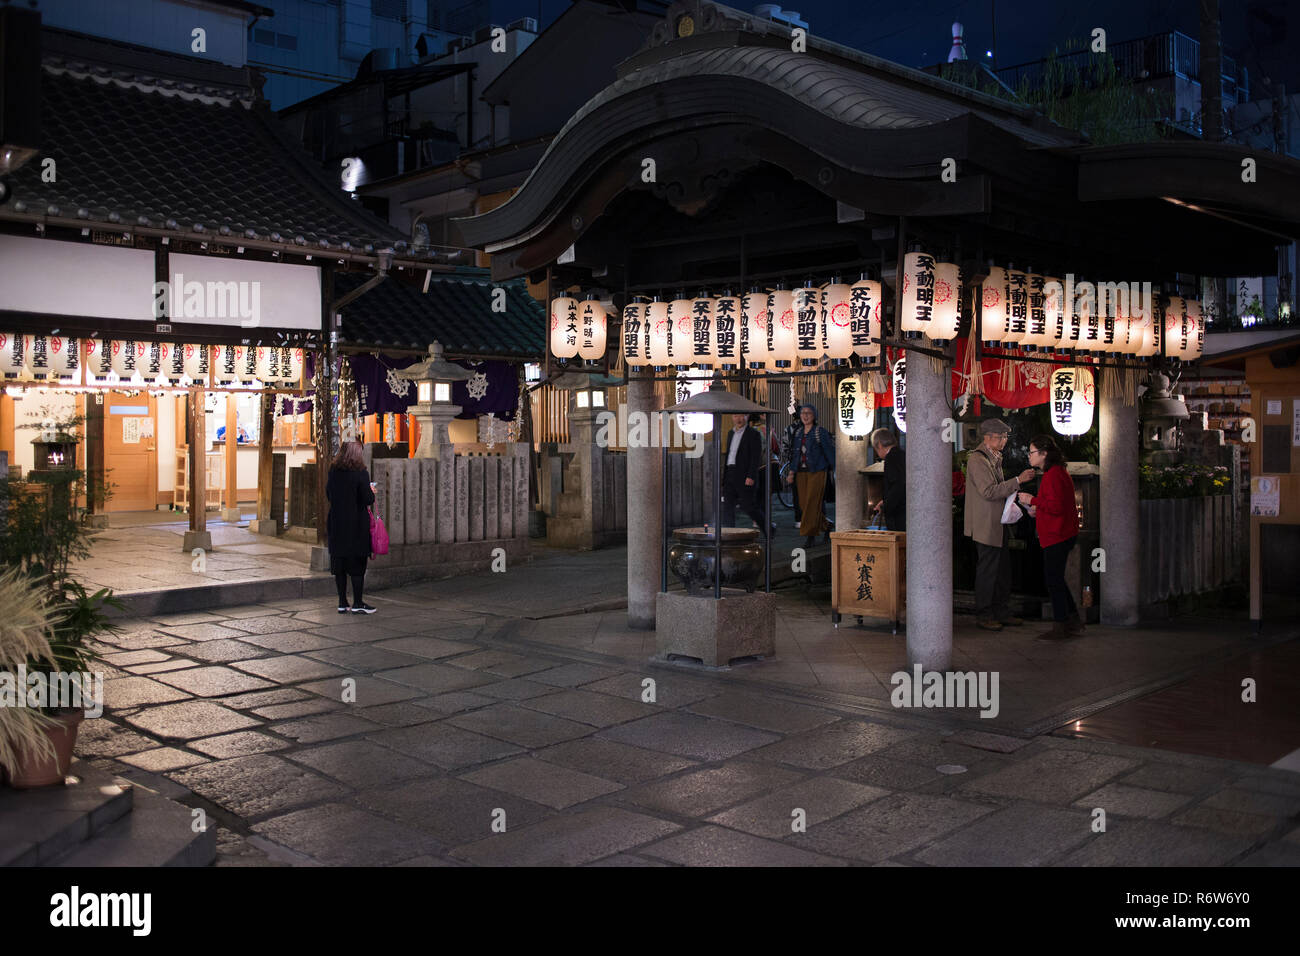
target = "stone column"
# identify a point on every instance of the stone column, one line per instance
(929, 516)
(1120, 585)
(644, 512)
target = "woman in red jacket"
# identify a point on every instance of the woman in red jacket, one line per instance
(1058, 529)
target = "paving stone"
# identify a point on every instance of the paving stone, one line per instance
(718, 846)
(456, 702)
(174, 621)
(265, 698)
(982, 740)
(541, 782)
(370, 691)
(214, 681)
(264, 625)
(123, 692)
(290, 669)
(578, 674)
(1055, 776)
(436, 678)
(626, 859)
(257, 786)
(1172, 777)
(240, 744)
(527, 728)
(366, 631)
(122, 658)
(520, 688)
(223, 652)
(1152, 843)
(135, 640)
(101, 737)
(428, 861)
(704, 791)
(162, 758)
(568, 840)
(431, 648)
(252, 610)
(450, 748)
(1252, 801)
(881, 771)
(890, 826)
(361, 764)
(452, 811)
(186, 721)
(1130, 801)
(171, 664)
(291, 642)
(598, 710)
(1021, 835)
(403, 714)
(613, 761)
(1232, 822)
(833, 744)
(765, 713)
(310, 730)
(342, 835)
(821, 799)
(363, 658)
(1285, 783)
(688, 735)
(1275, 854)
(501, 663)
(671, 691)
(206, 632)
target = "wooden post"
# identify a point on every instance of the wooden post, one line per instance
(323, 409)
(232, 461)
(264, 522)
(198, 535)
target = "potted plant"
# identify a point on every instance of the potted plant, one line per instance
(27, 734)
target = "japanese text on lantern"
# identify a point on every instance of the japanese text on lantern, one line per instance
(1063, 396)
(724, 321)
(571, 324)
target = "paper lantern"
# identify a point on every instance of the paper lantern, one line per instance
(1174, 328)
(900, 393)
(855, 406)
(129, 357)
(865, 304)
(151, 365)
(681, 325)
(946, 318)
(693, 381)
(295, 366)
(171, 359)
(918, 293)
(99, 362)
(13, 355)
(634, 314)
(225, 365)
(1036, 336)
(702, 349)
(1073, 398)
(196, 362)
(755, 328)
(993, 304)
(267, 363)
(837, 321)
(1053, 312)
(808, 325)
(784, 337)
(1090, 336)
(246, 363)
(1194, 331)
(726, 330)
(659, 328)
(65, 358)
(564, 327)
(592, 333)
(37, 361)
(1017, 307)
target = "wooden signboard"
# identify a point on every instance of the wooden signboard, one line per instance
(869, 575)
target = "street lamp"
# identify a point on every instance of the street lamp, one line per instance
(433, 408)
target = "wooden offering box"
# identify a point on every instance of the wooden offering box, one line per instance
(869, 575)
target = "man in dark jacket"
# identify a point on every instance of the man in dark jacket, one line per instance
(893, 506)
(743, 461)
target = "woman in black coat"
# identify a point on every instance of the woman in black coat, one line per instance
(350, 495)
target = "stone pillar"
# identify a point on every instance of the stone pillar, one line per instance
(929, 516)
(433, 420)
(644, 512)
(850, 459)
(1121, 584)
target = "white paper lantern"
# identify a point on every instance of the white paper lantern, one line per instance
(865, 309)
(701, 350)
(1053, 312)
(129, 360)
(900, 393)
(1090, 338)
(659, 327)
(726, 330)
(295, 365)
(808, 325)
(855, 406)
(99, 362)
(246, 360)
(13, 356)
(918, 292)
(993, 301)
(592, 334)
(564, 327)
(196, 362)
(681, 325)
(65, 359)
(837, 320)
(755, 328)
(152, 367)
(634, 327)
(693, 381)
(1017, 307)
(225, 365)
(1073, 399)
(38, 359)
(1036, 335)
(1194, 335)
(1174, 328)
(946, 319)
(267, 363)
(784, 338)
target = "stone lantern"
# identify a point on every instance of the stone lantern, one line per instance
(433, 408)
(1161, 415)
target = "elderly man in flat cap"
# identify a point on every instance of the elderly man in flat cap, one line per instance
(986, 494)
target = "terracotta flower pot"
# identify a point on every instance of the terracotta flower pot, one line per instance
(43, 772)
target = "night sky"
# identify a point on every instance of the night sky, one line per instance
(919, 33)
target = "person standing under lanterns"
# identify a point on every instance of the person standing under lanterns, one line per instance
(812, 460)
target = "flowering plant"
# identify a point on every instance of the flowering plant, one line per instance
(1183, 481)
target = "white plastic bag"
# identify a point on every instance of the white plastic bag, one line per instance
(1011, 513)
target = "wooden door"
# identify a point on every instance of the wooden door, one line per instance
(131, 451)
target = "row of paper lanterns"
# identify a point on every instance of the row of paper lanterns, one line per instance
(62, 360)
(781, 327)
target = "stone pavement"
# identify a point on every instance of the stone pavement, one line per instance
(475, 739)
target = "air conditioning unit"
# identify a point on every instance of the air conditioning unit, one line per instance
(528, 24)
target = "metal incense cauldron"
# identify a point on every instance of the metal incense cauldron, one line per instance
(694, 552)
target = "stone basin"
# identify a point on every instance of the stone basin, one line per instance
(694, 551)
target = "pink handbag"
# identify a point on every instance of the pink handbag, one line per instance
(378, 534)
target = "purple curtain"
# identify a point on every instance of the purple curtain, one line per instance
(378, 391)
(494, 389)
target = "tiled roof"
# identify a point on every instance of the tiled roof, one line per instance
(456, 311)
(192, 159)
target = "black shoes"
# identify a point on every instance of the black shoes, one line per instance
(364, 609)
(343, 609)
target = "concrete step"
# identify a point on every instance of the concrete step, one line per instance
(157, 832)
(38, 826)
